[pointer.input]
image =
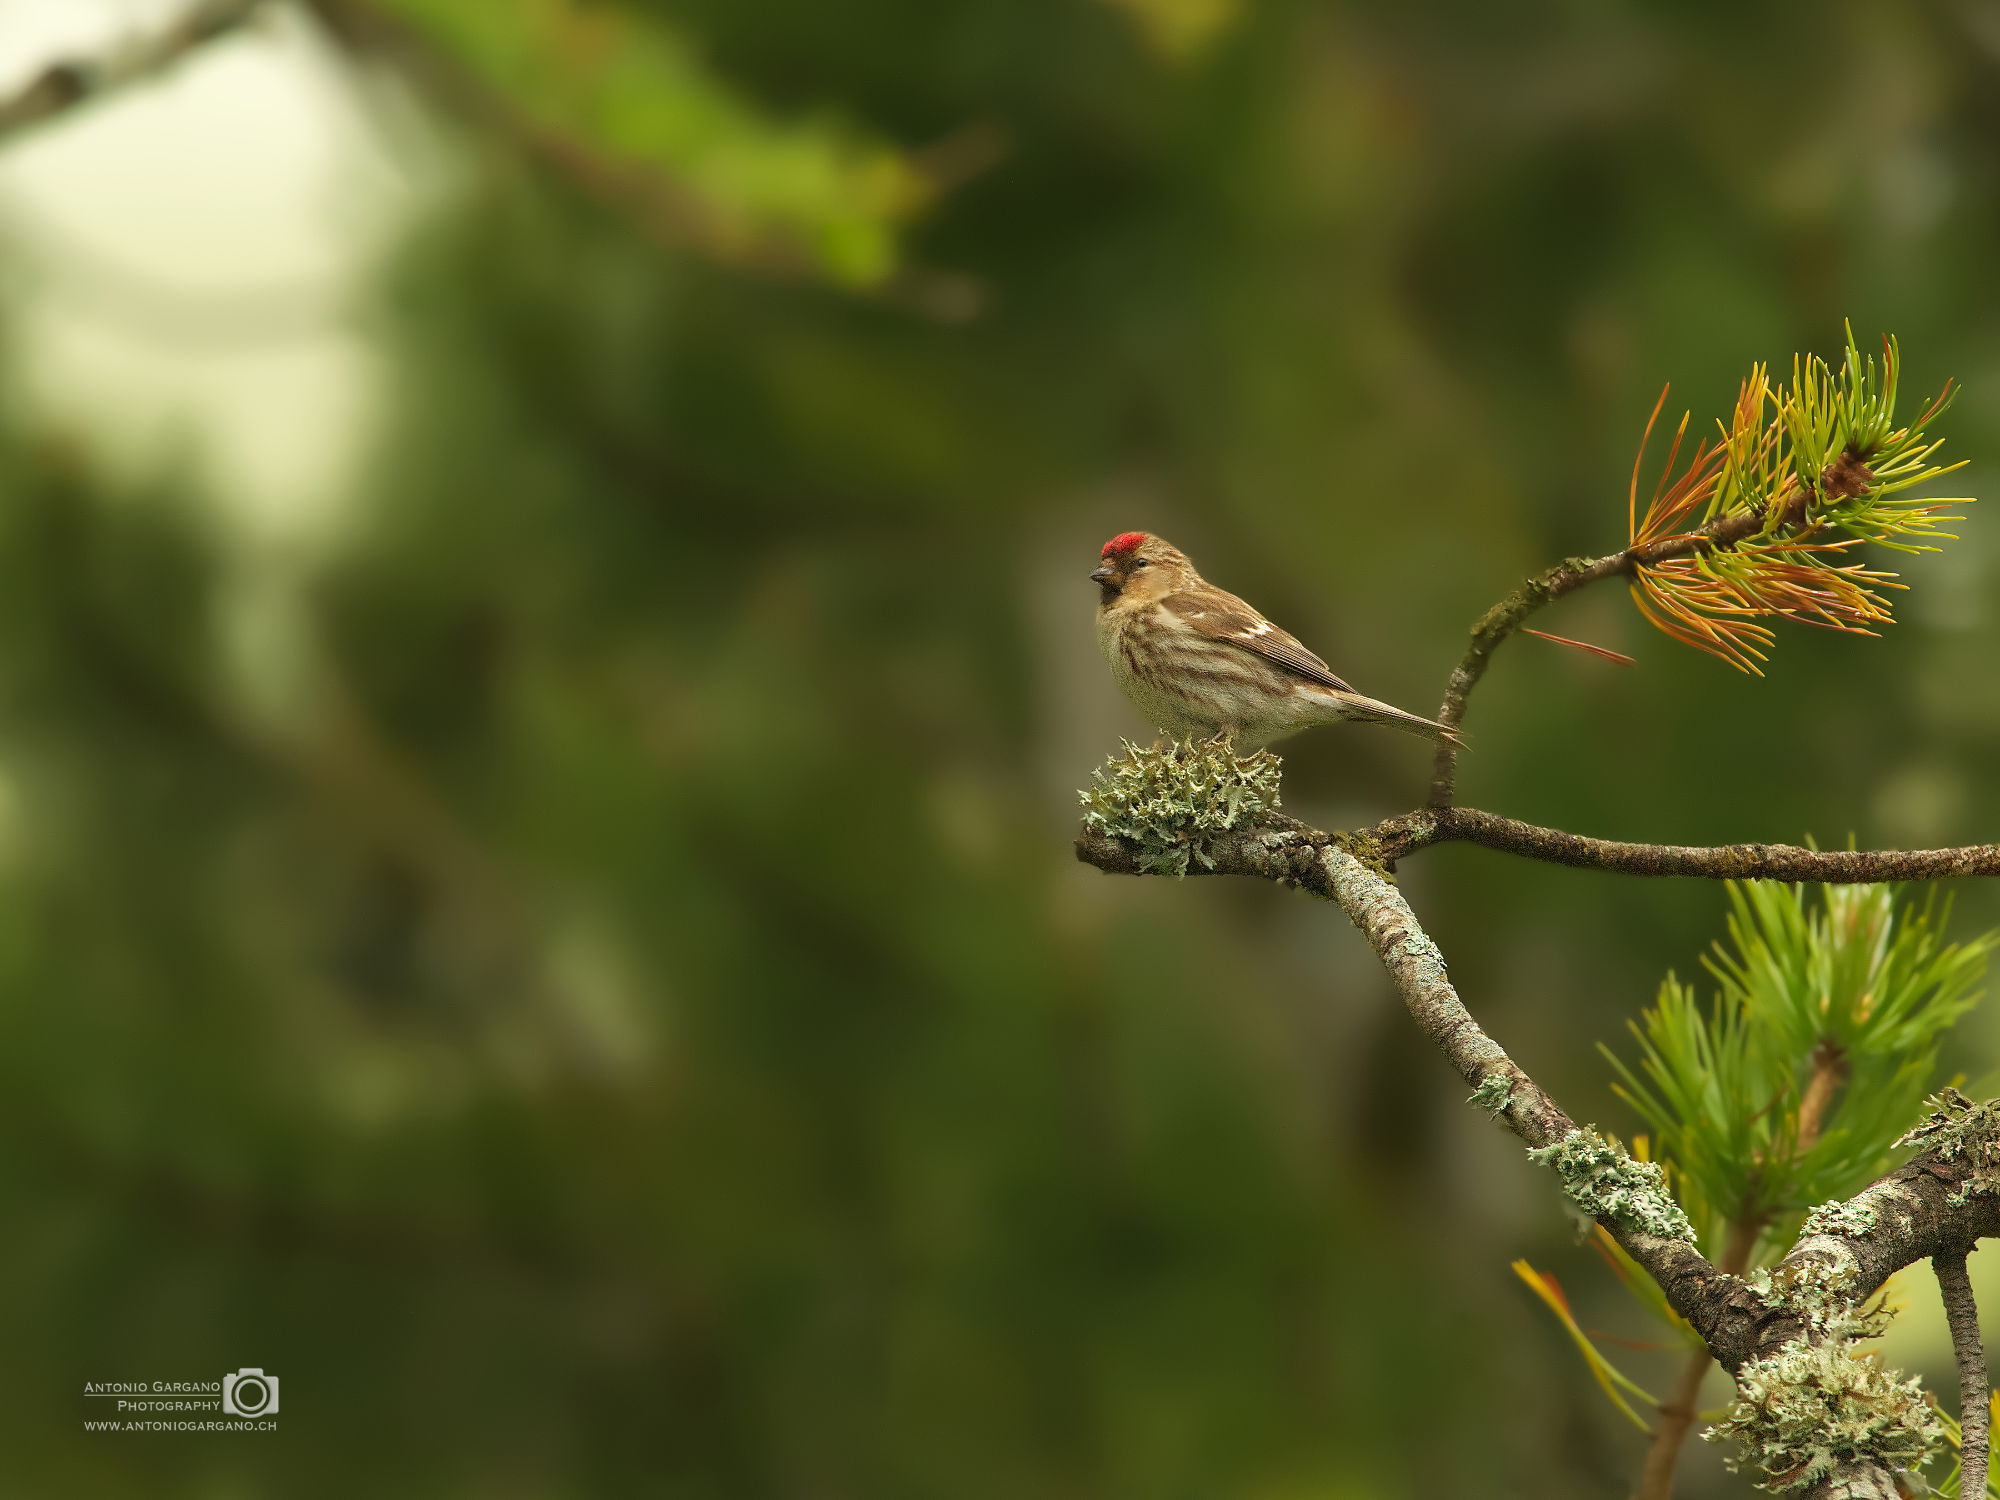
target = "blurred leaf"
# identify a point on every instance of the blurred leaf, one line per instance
(633, 97)
(1181, 29)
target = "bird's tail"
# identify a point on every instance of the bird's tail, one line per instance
(1374, 711)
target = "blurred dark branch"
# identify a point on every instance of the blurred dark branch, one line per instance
(1936, 1203)
(1569, 575)
(72, 81)
(1411, 832)
(662, 207)
(1975, 1409)
(667, 211)
(1678, 1413)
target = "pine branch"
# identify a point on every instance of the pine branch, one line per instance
(71, 82)
(1405, 835)
(1975, 1398)
(1566, 577)
(1945, 1197)
(1755, 526)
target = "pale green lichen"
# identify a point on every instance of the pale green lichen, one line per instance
(1838, 1217)
(1494, 1094)
(1959, 1130)
(1815, 1290)
(1815, 1405)
(1606, 1182)
(1167, 803)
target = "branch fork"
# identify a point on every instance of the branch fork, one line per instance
(1936, 1203)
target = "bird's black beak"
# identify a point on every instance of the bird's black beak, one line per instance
(1102, 575)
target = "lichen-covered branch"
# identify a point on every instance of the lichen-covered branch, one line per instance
(1815, 1415)
(1407, 834)
(1975, 1410)
(1815, 1420)
(1606, 1185)
(75, 80)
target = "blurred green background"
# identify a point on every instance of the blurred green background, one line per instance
(545, 659)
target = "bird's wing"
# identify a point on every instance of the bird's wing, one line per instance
(1217, 616)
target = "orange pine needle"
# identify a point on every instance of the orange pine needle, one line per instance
(1786, 523)
(1562, 640)
(1638, 461)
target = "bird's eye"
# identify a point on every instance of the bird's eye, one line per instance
(1142, 562)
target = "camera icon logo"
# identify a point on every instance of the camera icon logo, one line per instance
(250, 1393)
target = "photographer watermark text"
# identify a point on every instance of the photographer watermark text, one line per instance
(246, 1401)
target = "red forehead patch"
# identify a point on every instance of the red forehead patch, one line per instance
(1122, 543)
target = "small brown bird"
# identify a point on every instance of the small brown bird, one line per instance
(1198, 662)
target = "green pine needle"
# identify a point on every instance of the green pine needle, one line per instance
(1853, 985)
